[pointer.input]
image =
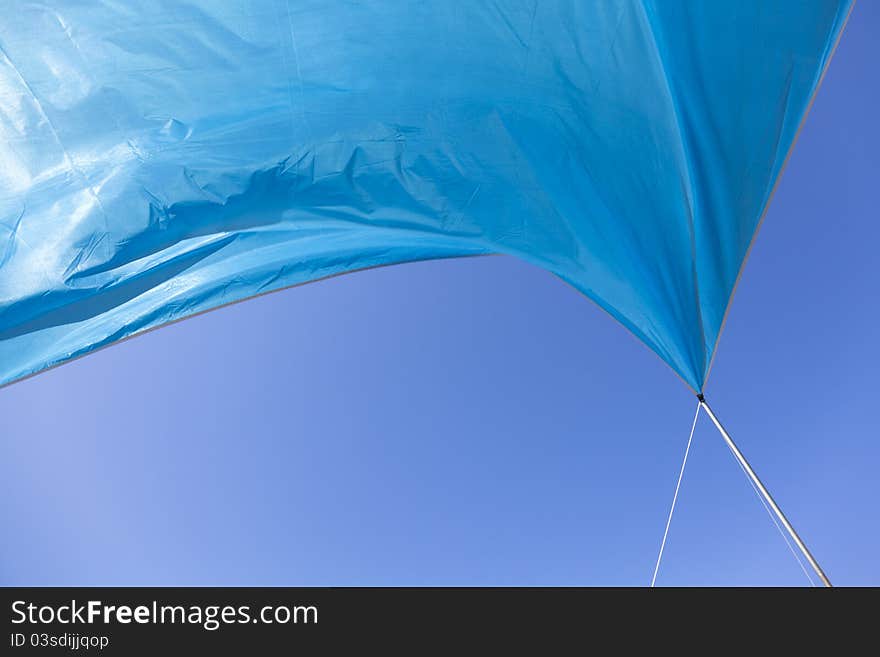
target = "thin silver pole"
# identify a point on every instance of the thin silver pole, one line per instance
(748, 469)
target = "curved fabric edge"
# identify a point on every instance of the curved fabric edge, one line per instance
(828, 57)
(384, 257)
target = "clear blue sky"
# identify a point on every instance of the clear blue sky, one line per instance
(477, 421)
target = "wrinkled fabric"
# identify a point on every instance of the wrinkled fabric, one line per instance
(161, 158)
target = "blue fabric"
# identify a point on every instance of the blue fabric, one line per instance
(165, 157)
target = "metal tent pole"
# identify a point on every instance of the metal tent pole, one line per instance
(745, 464)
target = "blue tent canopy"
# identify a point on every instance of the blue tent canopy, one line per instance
(162, 158)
